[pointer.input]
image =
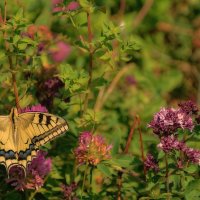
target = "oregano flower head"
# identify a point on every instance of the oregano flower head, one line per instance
(168, 120)
(189, 107)
(151, 163)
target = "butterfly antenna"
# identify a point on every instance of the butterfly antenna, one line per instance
(23, 95)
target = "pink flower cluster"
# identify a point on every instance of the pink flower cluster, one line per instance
(170, 143)
(92, 149)
(36, 172)
(58, 6)
(60, 52)
(168, 120)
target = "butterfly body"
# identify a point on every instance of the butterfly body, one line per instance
(21, 135)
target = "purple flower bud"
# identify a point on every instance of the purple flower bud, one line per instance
(69, 191)
(150, 163)
(193, 155)
(36, 108)
(189, 107)
(130, 80)
(169, 143)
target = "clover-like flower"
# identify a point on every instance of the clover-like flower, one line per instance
(151, 163)
(92, 149)
(36, 172)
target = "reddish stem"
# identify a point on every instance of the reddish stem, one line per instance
(5, 10)
(130, 136)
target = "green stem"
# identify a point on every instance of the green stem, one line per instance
(167, 176)
(91, 172)
(84, 179)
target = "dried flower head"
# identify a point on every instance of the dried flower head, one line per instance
(167, 121)
(69, 191)
(189, 107)
(151, 163)
(36, 172)
(92, 149)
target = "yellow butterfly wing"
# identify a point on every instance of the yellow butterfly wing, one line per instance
(35, 129)
(7, 146)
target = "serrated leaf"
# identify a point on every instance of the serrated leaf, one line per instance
(104, 169)
(122, 160)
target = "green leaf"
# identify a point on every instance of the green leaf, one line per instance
(16, 38)
(104, 169)
(192, 191)
(19, 14)
(122, 160)
(22, 46)
(191, 169)
(116, 144)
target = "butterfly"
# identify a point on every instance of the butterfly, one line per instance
(21, 135)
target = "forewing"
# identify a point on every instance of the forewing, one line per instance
(34, 130)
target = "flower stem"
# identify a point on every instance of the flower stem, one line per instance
(91, 173)
(90, 61)
(84, 179)
(128, 143)
(141, 145)
(167, 175)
